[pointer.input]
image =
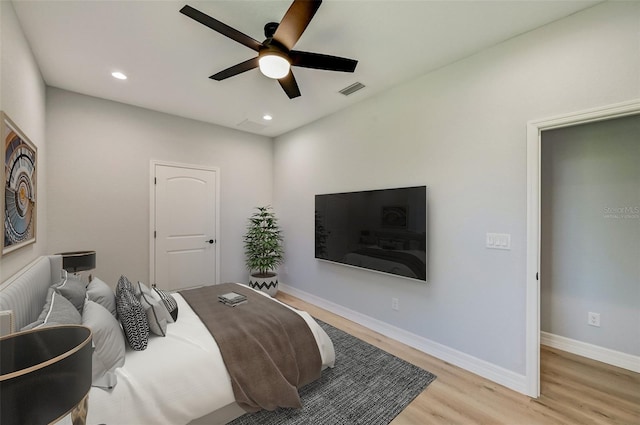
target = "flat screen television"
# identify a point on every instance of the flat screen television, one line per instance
(383, 230)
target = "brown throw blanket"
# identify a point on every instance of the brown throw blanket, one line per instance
(268, 349)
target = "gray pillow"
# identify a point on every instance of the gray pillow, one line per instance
(73, 289)
(157, 314)
(101, 293)
(108, 344)
(57, 311)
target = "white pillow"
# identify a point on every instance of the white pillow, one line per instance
(108, 343)
(157, 314)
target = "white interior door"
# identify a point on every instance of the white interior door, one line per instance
(185, 245)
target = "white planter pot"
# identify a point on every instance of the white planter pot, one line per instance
(268, 284)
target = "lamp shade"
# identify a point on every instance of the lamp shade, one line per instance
(44, 373)
(78, 261)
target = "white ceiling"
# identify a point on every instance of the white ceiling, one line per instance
(168, 57)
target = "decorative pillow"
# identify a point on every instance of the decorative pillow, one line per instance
(57, 311)
(124, 284)
(73, 289)
(157, 315)
(101, 293)
(108, 344)
(132, 316)
(168, 301)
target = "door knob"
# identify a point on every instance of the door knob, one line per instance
(211, 241)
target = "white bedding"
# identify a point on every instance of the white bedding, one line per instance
(178, 378)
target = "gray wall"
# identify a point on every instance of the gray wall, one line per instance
(22, 98)
(590, 233)
(460, 130)
(99, 159)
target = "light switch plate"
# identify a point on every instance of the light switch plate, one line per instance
(498, 241)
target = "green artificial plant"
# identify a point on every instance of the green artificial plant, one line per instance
(263, 243)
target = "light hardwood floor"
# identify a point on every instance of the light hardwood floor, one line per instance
(574, 390)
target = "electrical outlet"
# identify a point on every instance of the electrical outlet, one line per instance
(593, 319)
(395, 304)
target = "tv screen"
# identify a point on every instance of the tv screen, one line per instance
(383, 230)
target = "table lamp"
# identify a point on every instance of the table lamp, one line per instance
(78, 261)
(44, 373)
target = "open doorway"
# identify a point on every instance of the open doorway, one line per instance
(590, 240)
(536, 131)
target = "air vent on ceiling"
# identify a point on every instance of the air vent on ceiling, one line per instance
(251, 125)
(352, 88)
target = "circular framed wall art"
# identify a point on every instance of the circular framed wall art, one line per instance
(19, 178)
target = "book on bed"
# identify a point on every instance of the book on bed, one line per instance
(232, 298)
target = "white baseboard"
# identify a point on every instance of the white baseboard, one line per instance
(590, 351)
(472, 364)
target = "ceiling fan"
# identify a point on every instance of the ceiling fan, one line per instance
(275, 54)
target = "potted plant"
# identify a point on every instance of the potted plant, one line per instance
(263, 250)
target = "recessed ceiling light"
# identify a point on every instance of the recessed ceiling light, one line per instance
(119, 75)
(267, 117)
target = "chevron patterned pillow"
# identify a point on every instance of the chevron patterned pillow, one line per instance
(132, 315)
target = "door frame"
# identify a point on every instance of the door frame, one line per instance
(534, 145)
(152, 215)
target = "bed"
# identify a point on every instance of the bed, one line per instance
(178, 379)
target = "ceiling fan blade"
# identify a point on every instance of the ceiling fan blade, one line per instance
(295, 21)
(320, 61)
(223, 29)
(289, 85)
(236, 69)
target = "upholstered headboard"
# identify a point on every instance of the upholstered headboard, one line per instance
(25, 292)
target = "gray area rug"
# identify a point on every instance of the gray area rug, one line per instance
(367, 386)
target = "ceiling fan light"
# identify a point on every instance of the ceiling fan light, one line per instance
(274, 66)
